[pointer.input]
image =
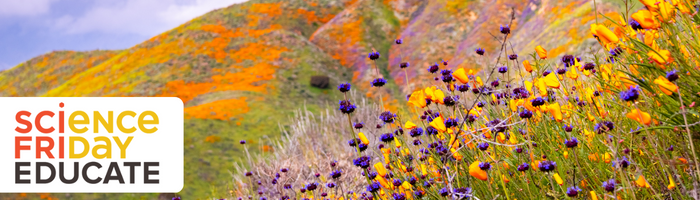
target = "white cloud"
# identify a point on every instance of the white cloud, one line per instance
(143, 17)
(24, 7)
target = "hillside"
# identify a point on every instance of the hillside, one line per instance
(244, 69)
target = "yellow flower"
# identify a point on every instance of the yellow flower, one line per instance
(662, 57)
(605, 35)
(607, 157)
(667, 11)
(363, 138)
(461, 75)
(646, 19)
(566, 154)
(555, 110)
(527, 66)
(438, 96)
(456, 155)
(639, 116)
(417, 99)
(666, 86)
(409, 125)
(438, 124)
(558, 179)
(572, 74)
(551, 80)
(477, 172)
(672, 184)
(541, 52)
(593, 196)
(651, 4)
(381, 171)
(641, 182)
(681, 6)
(429, 93)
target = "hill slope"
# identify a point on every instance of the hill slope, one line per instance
(242, 70)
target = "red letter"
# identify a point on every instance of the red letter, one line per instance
(60, 147)
(37, 121)
(19, 119)
(19, 147)
(46, 149)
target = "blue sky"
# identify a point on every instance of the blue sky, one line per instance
(29, 28)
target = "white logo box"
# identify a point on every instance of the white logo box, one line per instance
(164, 146)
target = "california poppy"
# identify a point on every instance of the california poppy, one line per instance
(672, 184)
(555, 110)
(666, 11)
(541, 52)
(418, 99)
(605, 35)
(646, 19)
(662, 57)
(477, 172)
(639, 116)
(439, 124)
(642, 182)
(409, 125)
(363, 138)
(461, 75)
(527, 66)
(557, 178)
(667, 87)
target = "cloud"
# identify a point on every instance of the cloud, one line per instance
(143, 17)
(24, 7)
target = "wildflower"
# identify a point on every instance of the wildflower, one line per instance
(463, 88)
(568, 128)
(557, 178)
(485, 165)
(502, 69)
(346, 107)
(609, 185)
(513, 56)
(672, 75)
(639, 116)
(363, 162)
(363, 138)
(387, 137)
(604, 126)
(359, 126)
(573, 191)
(523, 167)
(630, 95)
(242, 142)
(662, 57)
(561, 71)
(537, 101)
(287, 186)
(547, 166)
(399, 41)
(450, 100)
(546, 72)
(446, 75)
(353, 142)
(671, 184)
(480, 51)
(431, 131)
(463, 192)
(604, 34)
(336, 174)
(387, 117)
(418, 193)
(379, 82)
(483, 146)
(635, 25)
(477, 172)
(433, 68)
(444, 192)
(505, 29)
(666, 86)
(541, 52)
(399, 196)
(344, 87)
(373, 55)
(373, 187)
(518, 150)
(568, 60)
(311, 186)
(404, 65)
(527, 66)
(418, 99)
(573, 142)
(622, 163)
(670, 148)
(646, 19)
(525, 114)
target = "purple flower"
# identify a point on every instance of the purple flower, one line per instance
(344, 87)
(399, 41)
(561, 71)
(373, 187)
(379, 82)
(672, 75)
(480, 51)
(572, 191)
(242, 142)
(404, 65)
(503, 69)
(373, 55)
(346, 107)
(547, 166)
(525, 114)
(635, 25)
(433, 68)
(484, 165)
(416, 132)
(609, 185)
(359, 125)
(568, 60)
(523, 167)
(573, 142)
(546, 72)
(483, 146)
(311, 186)
(505, 29)
(537, 101)
(630, 95)
(568, 128)
(513, 56)
(451, 122)
(387, 117)
(363, 162)
(387, 137)
(444, 192)
(398, 196)
(336, 174)
(463, 88)
(588, 66)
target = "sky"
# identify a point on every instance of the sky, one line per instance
(29, 28)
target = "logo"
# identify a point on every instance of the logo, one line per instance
(91, 144)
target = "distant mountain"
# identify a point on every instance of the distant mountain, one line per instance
(244, 69)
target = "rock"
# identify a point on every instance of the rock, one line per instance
(320, 81)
